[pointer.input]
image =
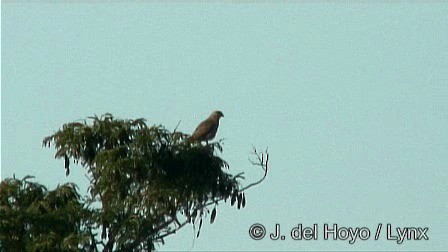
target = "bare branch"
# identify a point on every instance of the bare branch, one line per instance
(174, 131)
(263, 163)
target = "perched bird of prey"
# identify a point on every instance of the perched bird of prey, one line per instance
(207, 129)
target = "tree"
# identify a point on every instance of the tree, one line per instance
(34, 219)
(145, 182)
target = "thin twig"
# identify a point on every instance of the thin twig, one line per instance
(263, 163)
(255, 183)
(174, 131)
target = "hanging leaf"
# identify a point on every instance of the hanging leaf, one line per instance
(240, 199)
(200, 224)
(212, 218)
(103, 233)
(199, 229)
(67, 165)
(244, 201)
(194, 216)
(232, 202)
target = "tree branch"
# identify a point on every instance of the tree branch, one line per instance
(263, 163)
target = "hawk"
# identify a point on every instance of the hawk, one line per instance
(207, 129)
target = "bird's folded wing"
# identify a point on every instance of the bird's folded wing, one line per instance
(203, 129)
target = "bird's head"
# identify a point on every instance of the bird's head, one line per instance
(217, 114)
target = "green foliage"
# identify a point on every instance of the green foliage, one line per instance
(34, 219)
(146, 178)
(145, 184)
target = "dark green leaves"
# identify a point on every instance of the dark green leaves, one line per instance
(213, 216)
(66, 165)
(34, 219)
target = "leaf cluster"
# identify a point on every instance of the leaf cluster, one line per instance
(35, 219)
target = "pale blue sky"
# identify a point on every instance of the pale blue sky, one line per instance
(350, 98)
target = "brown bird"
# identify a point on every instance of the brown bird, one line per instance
(207, 129)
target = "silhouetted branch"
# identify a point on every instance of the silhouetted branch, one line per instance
(263, 162)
